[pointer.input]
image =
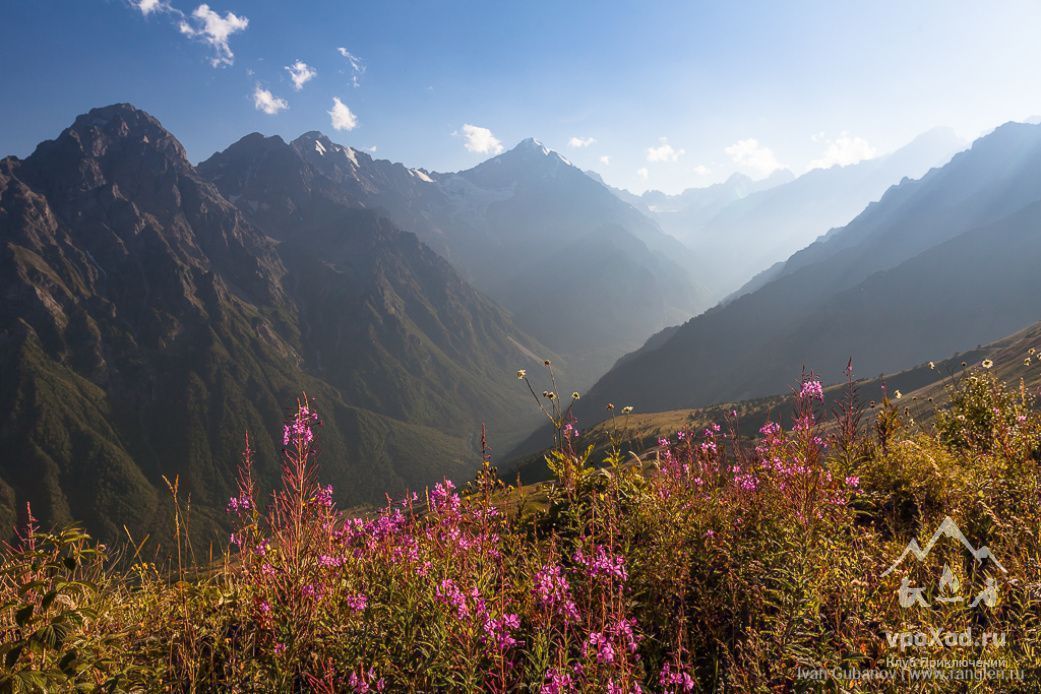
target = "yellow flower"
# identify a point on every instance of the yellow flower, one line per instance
(1031, 351)
(1026, 362)
(898, 394)
(987, 363)
(610, 405)
(575, 395)
(932, 365)
(522, 374)
(627, 409)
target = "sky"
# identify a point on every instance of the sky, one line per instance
(665, 95)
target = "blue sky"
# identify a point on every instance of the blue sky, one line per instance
(661, 94)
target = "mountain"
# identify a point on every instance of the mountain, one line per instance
(938, 263)
(751, 231)
(583, 272)
(150, 320)
(681, 213)
(922, 390)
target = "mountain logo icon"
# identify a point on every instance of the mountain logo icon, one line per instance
(948, 528)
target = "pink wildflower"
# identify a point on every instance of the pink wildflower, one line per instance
(499, 631)
(554, 593)
(557, 683)
(602, 564)
(811, 390)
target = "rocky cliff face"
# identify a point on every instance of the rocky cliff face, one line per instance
(148, 321)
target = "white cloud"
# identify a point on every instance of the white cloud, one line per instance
(580, 142)
(643, 173)
(341, 116)
(267, 102)
(210, 27)
(751, 155)
(664, 151)
(356, 63)
(373, 149)
(301, 73)
(606, 160)
(702, 170)
(842, 151)
(480, 140)
(147, 7)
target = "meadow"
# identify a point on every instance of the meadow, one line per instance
(722, 562)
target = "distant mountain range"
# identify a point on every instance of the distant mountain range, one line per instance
(151, 317)
(938, 263)
(585, 273)
(741, 227)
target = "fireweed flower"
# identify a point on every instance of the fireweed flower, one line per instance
(366, 682)
(811, 390)
(448, 593)
(443, 498)
(678, 680)
(299, 431)
(599, 644)
(498, 631)
(357, 602)
(602, 564)
(325, 496)
(557, 682)
(242, 502)
(553, 592)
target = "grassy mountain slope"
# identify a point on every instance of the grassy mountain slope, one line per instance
(147, 325)
(919, 393)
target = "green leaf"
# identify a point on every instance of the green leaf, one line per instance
(22, 616)
(12, 655)
(67, 661)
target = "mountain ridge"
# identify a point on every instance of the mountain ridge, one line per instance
(898, 294)
(148, 324)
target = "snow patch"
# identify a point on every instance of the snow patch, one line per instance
(351, 155)
(318, 147)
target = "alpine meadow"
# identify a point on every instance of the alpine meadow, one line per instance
(520, 347)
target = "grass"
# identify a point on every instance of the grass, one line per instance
(720, 562)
